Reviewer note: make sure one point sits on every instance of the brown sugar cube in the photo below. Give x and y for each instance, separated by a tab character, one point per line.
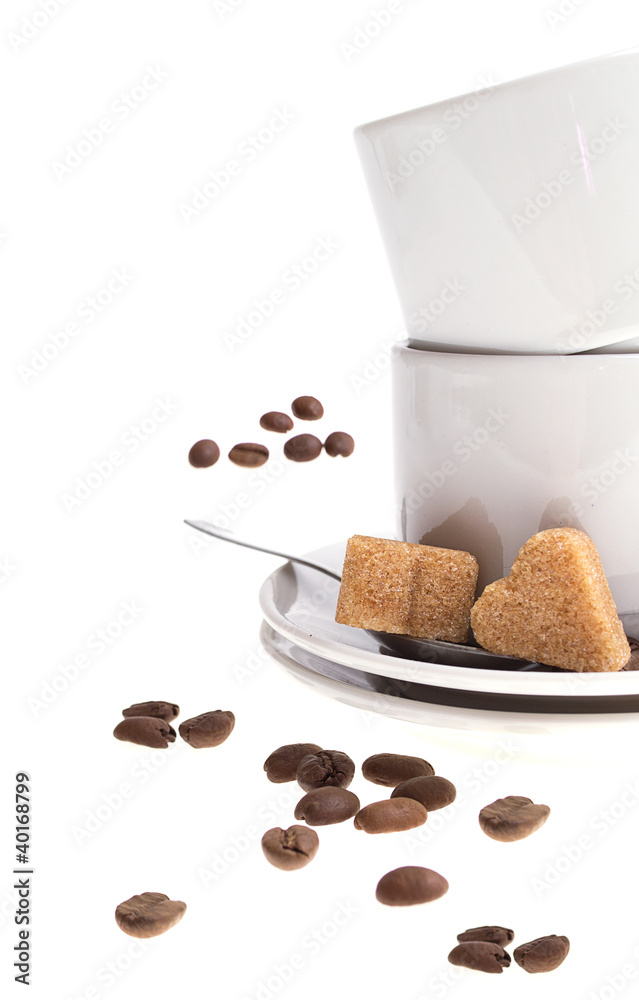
408	589
555	607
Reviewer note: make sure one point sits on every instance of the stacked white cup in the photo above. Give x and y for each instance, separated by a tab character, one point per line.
511	221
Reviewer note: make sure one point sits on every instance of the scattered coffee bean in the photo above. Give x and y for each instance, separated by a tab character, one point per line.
281	765
409	885
146	731
157	709
512	818
302	448
249	454
208	729
281	423
543	954
307	408
390	769
203	454
326	805
433	791
149	914
339	443
290	849
390	816
483	956
326	767
490	932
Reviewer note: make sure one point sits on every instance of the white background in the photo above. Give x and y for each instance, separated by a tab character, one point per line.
225	71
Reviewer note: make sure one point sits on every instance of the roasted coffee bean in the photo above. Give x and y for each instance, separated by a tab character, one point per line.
290	849
390	769
249	454
149	914
146	731
204	453
483	956
157	709
339	443
543	954
208	729
281	423
512	818
433	791
281	765
489	932
307	408
327	805
410	885
302	448
326	767
390	816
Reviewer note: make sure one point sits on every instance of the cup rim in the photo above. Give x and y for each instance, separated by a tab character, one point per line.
557	71
408	346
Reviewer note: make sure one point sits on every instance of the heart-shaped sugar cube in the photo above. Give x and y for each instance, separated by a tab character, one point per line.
555	607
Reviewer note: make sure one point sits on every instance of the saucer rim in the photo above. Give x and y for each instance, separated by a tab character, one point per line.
347	652
441	715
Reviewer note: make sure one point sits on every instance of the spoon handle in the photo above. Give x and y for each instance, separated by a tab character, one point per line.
227	536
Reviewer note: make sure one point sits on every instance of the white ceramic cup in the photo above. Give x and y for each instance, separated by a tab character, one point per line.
490	449
510	215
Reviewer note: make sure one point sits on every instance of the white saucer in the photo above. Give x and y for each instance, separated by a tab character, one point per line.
410	702
298	604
